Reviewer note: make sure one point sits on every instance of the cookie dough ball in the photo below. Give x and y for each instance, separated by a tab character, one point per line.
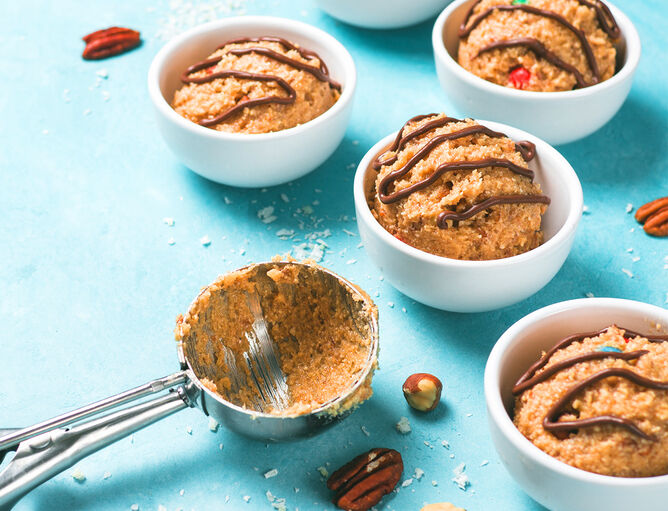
539	45
210	103
606	448
409	206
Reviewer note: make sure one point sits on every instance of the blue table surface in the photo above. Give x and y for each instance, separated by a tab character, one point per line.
90	287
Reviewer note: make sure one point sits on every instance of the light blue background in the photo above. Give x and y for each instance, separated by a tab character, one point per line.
90	288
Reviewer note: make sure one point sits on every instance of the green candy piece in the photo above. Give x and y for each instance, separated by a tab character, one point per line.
519	2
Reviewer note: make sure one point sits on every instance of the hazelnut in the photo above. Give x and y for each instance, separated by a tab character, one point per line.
422	391
441	506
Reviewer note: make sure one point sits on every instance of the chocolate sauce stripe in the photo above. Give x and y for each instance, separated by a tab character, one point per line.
307	54
605	18
603	14
267	52
541	51
493	201
425	150
584	43
289	99
524	147
551	422
400	141
542	361
321	73
569	362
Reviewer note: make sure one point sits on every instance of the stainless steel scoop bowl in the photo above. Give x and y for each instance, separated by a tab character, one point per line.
47	448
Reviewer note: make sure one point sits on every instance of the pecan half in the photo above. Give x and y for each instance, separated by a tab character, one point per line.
361	483
648	209
657	223
654	216
109	42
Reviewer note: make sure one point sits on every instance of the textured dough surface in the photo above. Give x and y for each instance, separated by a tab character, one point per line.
606	449
501	231
495	65
207	100
322	350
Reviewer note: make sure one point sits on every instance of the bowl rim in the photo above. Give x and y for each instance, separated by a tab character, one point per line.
629	35
574	191
348	79
498	415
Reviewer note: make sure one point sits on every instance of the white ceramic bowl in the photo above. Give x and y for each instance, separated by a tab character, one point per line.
474	286
554	484
239	159
382	13
557	117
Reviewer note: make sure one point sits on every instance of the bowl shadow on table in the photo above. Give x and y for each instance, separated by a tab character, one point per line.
637	149
413	41
578	275
333	178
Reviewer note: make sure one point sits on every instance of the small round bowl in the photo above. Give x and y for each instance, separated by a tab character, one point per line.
382	13
557	117
250	160
475	286
554	484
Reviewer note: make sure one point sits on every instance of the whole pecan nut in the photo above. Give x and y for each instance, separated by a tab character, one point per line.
654	216
361	483
109	42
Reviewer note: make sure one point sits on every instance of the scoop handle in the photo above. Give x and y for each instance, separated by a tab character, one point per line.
41	457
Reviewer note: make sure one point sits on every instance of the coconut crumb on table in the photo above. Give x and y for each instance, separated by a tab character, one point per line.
78	476
418	473
403	426
365	431
205	241
323	471
628	273
213	425
461	479
271	473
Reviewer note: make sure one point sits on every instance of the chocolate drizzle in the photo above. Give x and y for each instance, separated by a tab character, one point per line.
526	149
320	72
603	14
551	422
539	49
493	201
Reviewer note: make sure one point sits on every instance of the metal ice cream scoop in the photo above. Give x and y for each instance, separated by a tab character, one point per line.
48	448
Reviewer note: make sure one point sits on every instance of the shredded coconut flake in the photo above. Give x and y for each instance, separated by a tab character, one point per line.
365	431
271	473
461	479
403	426
627	273
78	476
205	241
213	425
323	471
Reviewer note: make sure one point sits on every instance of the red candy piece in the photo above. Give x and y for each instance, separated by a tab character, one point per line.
519	77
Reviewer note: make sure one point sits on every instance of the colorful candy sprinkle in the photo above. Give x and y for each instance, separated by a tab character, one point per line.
610	349
519	77
519	2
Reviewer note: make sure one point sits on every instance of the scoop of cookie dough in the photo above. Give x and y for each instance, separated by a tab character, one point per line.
410	205
605	448
321	332
539	45
304	93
